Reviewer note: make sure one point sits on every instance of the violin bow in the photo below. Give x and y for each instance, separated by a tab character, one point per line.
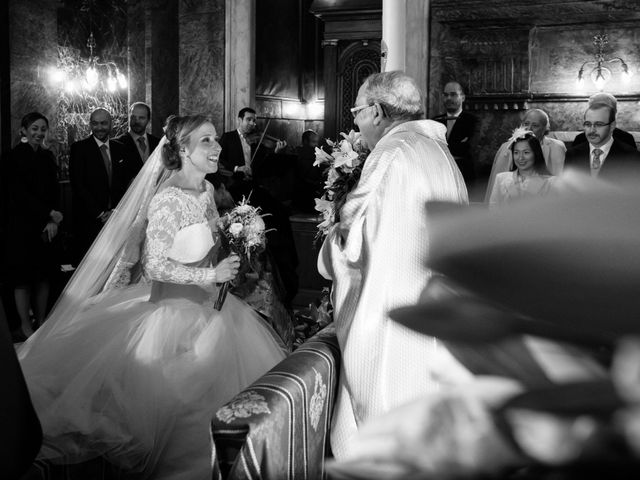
264	132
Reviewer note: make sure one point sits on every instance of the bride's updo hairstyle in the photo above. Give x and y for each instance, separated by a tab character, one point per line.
178	131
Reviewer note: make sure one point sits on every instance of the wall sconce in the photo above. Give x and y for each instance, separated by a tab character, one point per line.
600	74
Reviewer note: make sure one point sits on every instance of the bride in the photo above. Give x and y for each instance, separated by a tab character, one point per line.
134	361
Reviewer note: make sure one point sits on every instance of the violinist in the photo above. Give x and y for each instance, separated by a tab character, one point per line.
241	153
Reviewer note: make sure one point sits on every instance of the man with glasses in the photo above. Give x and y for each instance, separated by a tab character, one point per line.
376	256
618	134
602	155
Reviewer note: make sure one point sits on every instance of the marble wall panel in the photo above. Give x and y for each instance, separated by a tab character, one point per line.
136	18
33	49
202	44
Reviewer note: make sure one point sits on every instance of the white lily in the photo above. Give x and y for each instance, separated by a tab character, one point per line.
345	156
322	157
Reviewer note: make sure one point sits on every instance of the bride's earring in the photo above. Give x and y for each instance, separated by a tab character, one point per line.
184	155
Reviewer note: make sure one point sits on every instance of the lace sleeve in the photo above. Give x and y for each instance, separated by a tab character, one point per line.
165	216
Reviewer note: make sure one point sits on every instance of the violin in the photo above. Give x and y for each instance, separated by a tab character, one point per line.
261	138
258	138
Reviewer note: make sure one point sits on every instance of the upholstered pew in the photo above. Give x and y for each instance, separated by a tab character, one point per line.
277	428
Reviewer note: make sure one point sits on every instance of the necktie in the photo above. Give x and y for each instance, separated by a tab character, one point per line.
142	145
450	122
596	163
246	150
104	150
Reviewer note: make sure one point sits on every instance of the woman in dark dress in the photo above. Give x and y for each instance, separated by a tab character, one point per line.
32	219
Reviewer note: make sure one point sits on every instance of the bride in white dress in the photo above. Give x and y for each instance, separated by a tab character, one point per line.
133	367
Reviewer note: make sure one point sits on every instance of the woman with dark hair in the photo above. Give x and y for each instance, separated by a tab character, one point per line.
134	370
530	176
31	193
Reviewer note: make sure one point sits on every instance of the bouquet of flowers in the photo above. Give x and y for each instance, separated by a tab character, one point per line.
344	166
244	230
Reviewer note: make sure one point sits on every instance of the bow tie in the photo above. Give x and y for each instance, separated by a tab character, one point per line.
452	118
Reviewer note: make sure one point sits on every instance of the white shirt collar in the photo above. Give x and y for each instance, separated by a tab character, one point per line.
100	142
135	136
455	114
605	149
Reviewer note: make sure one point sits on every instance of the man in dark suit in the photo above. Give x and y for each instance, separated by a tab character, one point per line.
620	135
100	175
137	144
461	127
602	155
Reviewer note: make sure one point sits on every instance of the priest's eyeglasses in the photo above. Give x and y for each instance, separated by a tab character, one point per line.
356	110
596	125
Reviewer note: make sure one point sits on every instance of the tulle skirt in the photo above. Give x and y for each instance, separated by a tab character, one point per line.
138	382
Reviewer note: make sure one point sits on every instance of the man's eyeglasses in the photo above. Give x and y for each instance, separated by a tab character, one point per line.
356	110
588	125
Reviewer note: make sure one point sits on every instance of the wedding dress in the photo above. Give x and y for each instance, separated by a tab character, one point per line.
136	374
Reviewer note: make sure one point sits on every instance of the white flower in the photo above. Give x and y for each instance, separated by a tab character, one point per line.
323	205
322	157
244	209
332	176
352	137
235	229
257	225
345	156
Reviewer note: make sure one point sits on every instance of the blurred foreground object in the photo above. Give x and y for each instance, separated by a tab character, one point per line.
566	268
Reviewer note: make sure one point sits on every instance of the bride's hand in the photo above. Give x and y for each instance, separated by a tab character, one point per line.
227	269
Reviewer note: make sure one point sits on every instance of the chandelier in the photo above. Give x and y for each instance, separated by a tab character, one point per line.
79	74
600	74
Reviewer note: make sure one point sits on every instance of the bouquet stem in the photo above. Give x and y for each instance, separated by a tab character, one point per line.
222	295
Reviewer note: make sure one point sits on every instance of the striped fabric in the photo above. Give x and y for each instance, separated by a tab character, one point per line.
277	428
376	256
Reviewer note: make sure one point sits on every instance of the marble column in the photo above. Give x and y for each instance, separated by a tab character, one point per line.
136	27
202	58
162	62
417	42
405	32
394	33
239	62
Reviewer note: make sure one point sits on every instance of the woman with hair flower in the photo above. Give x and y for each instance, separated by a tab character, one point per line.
530	178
